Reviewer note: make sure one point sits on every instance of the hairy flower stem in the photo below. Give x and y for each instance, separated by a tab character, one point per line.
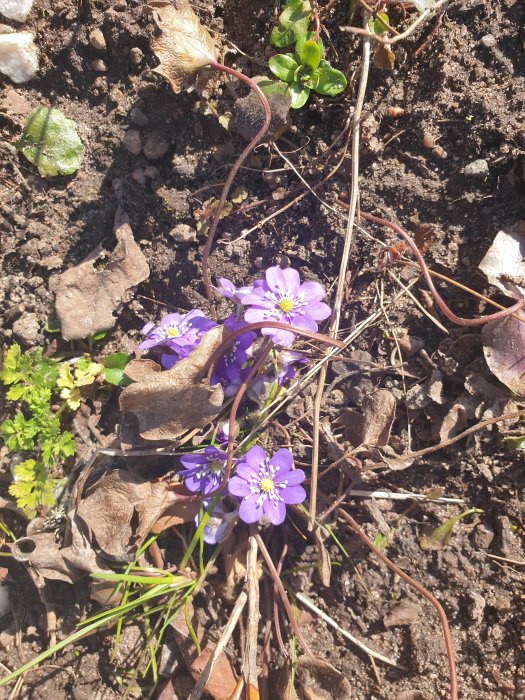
235	168
446	311
223	347
421	590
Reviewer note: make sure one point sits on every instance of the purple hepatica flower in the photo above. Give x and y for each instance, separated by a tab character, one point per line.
266	485
261	390
204	471
219	522
230	370
230	291
179	332
283	298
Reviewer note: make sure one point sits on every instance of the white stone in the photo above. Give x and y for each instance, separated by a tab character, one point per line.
18	56
16	9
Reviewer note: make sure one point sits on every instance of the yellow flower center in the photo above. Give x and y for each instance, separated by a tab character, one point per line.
286	304
266	485
173	332
215	465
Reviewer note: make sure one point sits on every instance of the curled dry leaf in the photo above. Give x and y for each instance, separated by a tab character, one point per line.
404	613
87	298
168	404
372	426
183	46
315	679
504	340
221	683
113	518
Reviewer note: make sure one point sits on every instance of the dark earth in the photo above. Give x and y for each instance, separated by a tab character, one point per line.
443	144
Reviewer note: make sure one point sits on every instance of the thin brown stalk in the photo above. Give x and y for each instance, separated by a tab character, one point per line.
421	590
284	597
235	167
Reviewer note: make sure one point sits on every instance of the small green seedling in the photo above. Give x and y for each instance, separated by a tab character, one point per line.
440	537
292	24
305	70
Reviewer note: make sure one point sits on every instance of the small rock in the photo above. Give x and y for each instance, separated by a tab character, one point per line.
136	55
182	233
120	5
18	10
404	613
99	66
502	603
156	146
151	172
15	103
477	169
483	536
26	329
183	166
139	176
132	142
476	607
18	56
138	117
489	41
97	40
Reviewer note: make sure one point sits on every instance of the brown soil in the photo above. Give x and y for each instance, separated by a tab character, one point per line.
461	99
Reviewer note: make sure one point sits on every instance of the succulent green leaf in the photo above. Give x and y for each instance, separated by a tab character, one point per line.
309	36
283	66
299	95
331	81
51	142
293	23
273	87
114	366
310	54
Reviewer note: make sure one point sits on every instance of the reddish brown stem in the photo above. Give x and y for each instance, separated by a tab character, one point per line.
282	593
235	168
480	320
219	352
421	590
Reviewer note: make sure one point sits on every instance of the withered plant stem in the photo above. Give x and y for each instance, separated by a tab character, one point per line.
283	596
235	167
446	311
421	590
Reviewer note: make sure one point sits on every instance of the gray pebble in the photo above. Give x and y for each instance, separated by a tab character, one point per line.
26	329
489	41
136	55
138	117
182	233
477	169
156	146
99	66
132	142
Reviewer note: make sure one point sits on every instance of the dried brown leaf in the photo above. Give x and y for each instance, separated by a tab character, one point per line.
404	613
372	426
87	298
222	681
183	45
315	679
504	262
504	350
171	403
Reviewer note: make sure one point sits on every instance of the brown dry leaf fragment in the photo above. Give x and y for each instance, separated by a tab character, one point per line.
324	564
120	510
222	681
171	403
372	426
504	262
504	350
384	58
87	298
404	613
315	679
183	46
138	369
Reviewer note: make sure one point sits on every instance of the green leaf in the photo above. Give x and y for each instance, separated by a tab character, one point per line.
310	54
52	325
309	36
283	65
33	486
376	26
331	81
51	142
293	23
99	336
440	537
114	366
299	95
273	87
